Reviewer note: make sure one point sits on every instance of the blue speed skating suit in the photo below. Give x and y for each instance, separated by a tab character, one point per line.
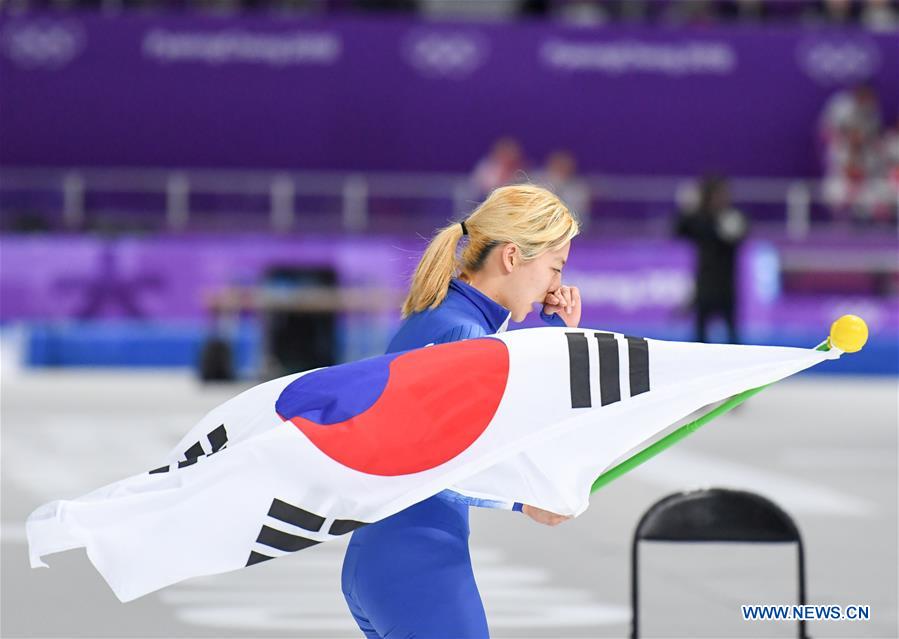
410	575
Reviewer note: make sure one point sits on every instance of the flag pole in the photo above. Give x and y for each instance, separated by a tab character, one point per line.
848	334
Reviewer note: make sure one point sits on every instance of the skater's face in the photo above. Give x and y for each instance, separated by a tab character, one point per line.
527	282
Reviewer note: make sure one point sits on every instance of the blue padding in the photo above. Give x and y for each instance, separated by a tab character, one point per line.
134	344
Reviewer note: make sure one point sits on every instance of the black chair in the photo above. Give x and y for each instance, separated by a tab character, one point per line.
714	515
298	340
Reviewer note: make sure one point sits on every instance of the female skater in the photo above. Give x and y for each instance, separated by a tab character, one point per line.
410	575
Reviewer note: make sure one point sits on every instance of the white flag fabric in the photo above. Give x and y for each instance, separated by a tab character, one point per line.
532	416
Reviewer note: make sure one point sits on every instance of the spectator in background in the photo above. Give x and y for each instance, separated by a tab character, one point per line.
581	12
852	176
857	108
744	11
880	15
716	229
886	188
890	149
504	165
560	176
386	5
854	168
634	11
831	12
695	12
839	11
469	9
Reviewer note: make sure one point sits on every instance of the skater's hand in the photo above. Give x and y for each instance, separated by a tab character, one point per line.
566	301
543	516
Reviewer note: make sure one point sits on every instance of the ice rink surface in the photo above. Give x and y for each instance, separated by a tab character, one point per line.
824	448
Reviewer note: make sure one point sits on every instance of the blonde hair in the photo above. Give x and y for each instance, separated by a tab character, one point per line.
529	216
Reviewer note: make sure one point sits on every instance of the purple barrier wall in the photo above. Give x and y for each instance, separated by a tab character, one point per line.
166	278
394	94
643	285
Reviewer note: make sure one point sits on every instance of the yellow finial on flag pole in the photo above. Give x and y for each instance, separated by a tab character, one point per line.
849	333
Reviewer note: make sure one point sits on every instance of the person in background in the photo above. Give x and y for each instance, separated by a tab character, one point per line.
716	229
582	12
744	11
469	9
693	13
849	131
852	178
880	15
853	109
504	165
830	13
886	188
560	176
890	150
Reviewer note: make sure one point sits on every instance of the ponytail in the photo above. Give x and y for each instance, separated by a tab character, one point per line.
430	282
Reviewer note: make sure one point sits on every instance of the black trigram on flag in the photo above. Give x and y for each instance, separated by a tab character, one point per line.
217	438
609	368
275	538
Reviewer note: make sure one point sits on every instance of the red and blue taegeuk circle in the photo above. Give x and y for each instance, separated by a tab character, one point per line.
400	413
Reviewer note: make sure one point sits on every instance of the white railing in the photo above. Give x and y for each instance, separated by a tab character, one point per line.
355	191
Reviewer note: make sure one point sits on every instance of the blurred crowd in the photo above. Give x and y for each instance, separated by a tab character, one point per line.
860	157
872	14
